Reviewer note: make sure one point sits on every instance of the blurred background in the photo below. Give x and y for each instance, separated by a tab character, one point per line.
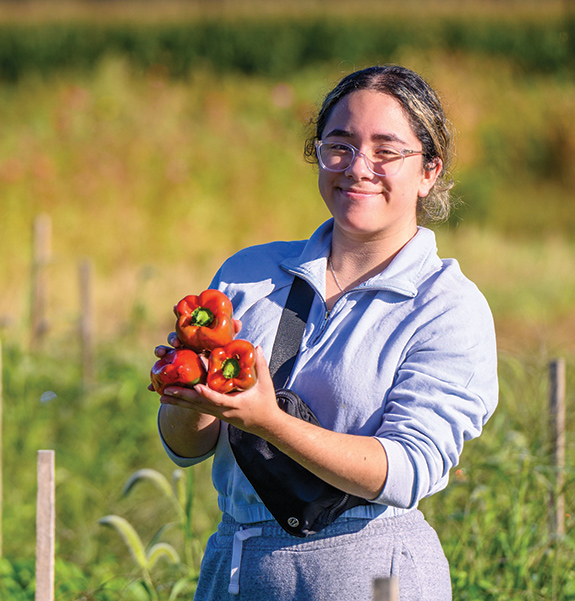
143	142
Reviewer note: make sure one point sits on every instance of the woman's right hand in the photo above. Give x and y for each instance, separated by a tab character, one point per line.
187	431
173	342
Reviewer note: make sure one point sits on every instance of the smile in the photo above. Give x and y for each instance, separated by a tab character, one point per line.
353	193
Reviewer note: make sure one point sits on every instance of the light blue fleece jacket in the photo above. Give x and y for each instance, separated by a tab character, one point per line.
408	357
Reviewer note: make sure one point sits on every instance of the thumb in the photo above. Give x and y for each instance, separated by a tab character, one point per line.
262	369
237	325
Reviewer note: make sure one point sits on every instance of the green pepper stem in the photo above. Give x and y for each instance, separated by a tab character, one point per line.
230	368
201	317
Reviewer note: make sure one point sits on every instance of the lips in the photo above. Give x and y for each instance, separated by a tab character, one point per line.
359	192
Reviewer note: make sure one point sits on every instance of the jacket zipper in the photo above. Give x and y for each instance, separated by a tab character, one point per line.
327	315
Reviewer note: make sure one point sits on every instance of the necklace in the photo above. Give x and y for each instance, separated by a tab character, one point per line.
333	274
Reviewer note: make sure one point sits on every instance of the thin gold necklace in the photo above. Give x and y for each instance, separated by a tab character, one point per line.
333	274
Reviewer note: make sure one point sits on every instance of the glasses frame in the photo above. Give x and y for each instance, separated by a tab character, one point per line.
404	152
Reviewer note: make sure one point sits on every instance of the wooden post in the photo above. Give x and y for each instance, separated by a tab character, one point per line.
385	589
86	322
45	527
41	257
1	474
557	430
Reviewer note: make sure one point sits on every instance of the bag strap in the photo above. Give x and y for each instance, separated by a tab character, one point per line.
290	331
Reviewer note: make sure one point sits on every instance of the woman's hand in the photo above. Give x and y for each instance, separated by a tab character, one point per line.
188	431
254	410
352	463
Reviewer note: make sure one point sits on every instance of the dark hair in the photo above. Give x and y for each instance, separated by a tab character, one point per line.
425	115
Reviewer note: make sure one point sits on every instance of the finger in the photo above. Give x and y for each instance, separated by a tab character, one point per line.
182	397
174	340
179	392
161	350
237	326
201	399
262	369
213	396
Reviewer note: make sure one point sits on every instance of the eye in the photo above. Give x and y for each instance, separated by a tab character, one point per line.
386	153
339	147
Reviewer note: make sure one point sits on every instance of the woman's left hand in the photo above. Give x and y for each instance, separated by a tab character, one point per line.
254	410
355	464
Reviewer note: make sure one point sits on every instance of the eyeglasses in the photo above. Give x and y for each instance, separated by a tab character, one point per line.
384	161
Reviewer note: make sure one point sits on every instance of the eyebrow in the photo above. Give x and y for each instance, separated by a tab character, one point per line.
344	133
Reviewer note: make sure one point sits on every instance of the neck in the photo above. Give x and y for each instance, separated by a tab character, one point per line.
351	264
356	260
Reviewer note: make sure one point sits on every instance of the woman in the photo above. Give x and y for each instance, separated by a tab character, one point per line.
397	361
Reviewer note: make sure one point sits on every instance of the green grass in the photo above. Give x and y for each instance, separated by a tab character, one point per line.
100	436
492	518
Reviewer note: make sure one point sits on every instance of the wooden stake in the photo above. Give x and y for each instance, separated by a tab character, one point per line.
86	322
1	475
41	257
45	527
385	589
557	430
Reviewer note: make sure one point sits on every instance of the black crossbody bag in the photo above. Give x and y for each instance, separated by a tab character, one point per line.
300	502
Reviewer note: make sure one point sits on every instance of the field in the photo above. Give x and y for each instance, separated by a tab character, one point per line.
156	177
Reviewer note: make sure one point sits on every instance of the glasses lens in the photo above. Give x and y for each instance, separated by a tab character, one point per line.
385	161
335	157
380	160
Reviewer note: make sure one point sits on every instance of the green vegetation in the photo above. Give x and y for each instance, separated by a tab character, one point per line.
103	438
280	47
492	518
160	153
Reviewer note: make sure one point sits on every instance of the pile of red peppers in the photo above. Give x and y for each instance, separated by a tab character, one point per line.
205	329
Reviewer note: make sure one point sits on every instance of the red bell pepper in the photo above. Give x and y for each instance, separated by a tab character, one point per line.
232	367
178	367
205	321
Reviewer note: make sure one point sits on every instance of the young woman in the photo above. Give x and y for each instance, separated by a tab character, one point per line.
397	361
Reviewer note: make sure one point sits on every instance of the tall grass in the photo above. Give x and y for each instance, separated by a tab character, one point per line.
100	437
492	518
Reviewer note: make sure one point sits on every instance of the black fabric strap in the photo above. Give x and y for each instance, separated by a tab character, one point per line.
301	502
290	331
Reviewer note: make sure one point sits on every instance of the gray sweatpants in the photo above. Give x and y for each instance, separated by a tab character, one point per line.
258	562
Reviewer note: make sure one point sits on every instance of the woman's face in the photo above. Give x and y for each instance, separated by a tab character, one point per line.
367	206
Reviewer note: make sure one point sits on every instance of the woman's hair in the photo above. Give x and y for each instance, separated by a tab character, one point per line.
425	115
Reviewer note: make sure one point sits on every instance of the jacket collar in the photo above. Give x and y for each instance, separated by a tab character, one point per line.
402	276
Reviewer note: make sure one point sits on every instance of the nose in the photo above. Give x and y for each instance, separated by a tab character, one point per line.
359	169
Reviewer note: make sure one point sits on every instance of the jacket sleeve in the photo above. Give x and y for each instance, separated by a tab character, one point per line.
444	391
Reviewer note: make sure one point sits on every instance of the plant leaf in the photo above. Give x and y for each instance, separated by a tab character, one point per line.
156	538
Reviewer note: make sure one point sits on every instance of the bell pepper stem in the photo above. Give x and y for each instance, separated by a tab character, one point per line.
230	368
201	317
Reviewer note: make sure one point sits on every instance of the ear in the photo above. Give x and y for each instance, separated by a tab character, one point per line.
429	176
